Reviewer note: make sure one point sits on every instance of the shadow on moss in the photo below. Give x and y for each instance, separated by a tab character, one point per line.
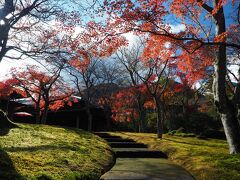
5	124
8	170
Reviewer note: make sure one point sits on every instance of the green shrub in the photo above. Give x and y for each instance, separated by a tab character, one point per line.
179	132
196	122
151	122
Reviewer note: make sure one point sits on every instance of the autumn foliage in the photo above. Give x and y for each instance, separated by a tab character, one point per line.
45	91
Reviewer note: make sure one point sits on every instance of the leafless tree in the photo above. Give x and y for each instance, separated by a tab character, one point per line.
17	17
129	57
110	79
83	81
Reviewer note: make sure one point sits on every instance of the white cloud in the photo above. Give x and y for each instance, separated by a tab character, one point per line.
10	15
78	30
7	64
132	39
177	28
233	67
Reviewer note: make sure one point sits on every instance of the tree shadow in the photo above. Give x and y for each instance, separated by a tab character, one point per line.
7	169
5	124
4	131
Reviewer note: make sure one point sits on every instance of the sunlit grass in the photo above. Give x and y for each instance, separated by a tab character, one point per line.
46	152
205	159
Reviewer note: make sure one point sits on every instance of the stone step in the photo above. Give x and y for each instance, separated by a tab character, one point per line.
127	145
141	153
132	149
106	135
118	140
101	133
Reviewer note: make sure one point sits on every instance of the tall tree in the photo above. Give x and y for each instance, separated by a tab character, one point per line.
156	80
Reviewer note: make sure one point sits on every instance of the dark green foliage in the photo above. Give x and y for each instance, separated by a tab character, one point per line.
198	123
124	126
151	119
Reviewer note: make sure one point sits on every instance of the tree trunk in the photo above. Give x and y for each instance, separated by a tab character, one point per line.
38	116
44	115
232	131
226	108
77	122
89	114
159	118
237	97
141	112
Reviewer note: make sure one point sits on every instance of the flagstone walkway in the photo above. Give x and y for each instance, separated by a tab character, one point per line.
136	162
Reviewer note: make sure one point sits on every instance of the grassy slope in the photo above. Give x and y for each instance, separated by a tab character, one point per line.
45	152
205	159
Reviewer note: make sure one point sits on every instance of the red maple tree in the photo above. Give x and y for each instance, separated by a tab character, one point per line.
46	91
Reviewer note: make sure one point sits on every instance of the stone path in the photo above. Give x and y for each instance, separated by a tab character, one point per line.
136	162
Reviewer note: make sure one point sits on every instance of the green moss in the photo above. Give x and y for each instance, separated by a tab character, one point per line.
205	159
46	152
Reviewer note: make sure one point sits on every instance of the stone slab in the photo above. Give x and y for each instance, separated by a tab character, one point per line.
147	169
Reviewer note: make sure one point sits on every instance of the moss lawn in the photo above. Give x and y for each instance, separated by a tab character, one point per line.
47	152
